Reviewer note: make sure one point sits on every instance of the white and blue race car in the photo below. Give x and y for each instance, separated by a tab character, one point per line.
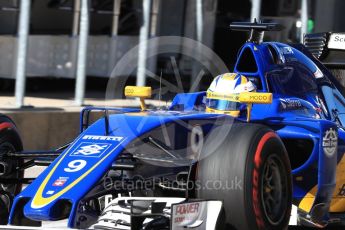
185	167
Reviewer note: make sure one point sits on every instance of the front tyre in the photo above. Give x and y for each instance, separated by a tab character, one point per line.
10	142
254	171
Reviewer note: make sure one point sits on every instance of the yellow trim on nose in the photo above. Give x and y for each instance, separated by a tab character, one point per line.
39	201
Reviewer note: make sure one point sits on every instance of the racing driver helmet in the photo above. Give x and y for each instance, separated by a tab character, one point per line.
227	86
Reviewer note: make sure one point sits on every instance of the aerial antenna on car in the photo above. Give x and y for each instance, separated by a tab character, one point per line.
256	29
160	90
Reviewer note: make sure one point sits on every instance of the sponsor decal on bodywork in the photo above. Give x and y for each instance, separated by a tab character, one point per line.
102	138
290	104
60	182
337	41
200	215
186	212
342	191
330	142
88	149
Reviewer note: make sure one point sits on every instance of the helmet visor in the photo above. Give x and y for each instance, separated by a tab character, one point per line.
223	105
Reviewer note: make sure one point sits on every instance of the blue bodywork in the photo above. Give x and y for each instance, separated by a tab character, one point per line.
306	107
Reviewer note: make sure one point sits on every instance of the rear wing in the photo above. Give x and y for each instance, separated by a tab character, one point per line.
328	47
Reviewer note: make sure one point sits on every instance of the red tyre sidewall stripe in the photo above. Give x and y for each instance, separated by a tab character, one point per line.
6	125
256	174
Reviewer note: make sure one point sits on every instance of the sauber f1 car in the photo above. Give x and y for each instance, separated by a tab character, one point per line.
191	166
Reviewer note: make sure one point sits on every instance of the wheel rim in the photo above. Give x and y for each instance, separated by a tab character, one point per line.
274	190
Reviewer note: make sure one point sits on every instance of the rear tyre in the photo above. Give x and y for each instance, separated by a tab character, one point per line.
250	172
9	142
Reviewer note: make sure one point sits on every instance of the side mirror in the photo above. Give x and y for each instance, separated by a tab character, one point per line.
251	98
141	92
255	98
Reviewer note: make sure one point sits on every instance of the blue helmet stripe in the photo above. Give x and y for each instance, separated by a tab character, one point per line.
217	79
238	80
